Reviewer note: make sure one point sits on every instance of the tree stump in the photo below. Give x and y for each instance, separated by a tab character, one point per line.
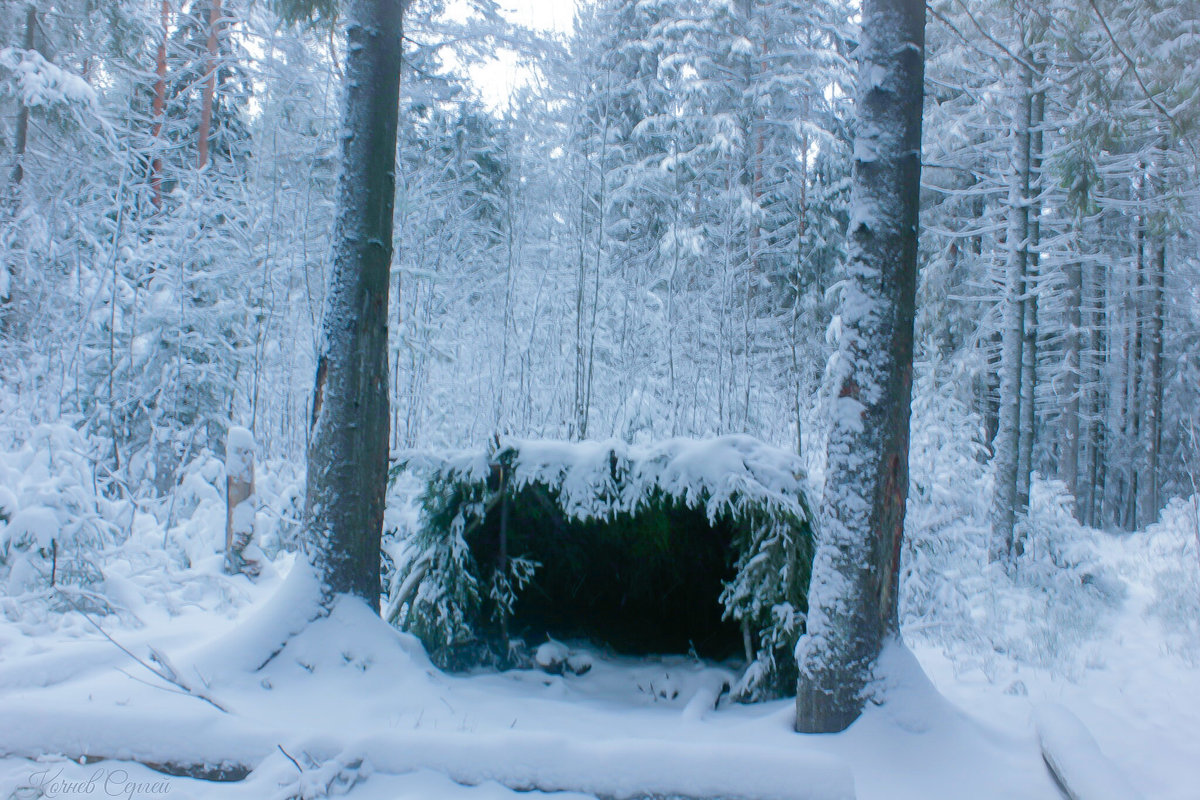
239	502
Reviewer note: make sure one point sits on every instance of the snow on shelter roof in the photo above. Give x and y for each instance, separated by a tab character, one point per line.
597	479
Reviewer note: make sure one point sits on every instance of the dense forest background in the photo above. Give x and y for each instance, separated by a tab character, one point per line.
646	240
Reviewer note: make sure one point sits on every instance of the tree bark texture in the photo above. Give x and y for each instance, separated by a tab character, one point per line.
210	84
1068	462
1152	429
853	597
1004	496
22	135
348	451
160	100
1134	389
1029	345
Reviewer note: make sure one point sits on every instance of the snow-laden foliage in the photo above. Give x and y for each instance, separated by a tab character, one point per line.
1175	540
51	519
437	587
38	82
725	475
67	547
1037	610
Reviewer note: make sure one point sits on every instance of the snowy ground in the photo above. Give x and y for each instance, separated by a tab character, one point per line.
350	706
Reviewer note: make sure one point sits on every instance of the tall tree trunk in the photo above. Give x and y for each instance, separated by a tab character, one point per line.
1091	386
1028	427
210	84
1068	462
586	355
990	389
1152	429
22	136
853	597
1105	397
1029	345
1133	386
799	289
1004	496
160	99
1095	471
348	454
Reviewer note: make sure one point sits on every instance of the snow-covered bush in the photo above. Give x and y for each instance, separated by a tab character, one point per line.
1035	610
52	520
1174	548
66	546
38	83
636	498
946	527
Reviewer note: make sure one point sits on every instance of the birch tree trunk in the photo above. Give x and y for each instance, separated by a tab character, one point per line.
348	451
852	600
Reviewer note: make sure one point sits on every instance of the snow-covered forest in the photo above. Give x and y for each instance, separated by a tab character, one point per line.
629	296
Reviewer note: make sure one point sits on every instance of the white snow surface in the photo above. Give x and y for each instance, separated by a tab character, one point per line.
362	711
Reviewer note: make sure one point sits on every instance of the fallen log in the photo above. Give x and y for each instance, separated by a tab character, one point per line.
1074	759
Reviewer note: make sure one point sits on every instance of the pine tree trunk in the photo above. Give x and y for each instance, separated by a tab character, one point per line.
210	85
1096	438
1108	399
1152	429
853	597
1005	493
990	391
160	99
1068	462
1133	386
1025	441
348	453
22	136
1029	345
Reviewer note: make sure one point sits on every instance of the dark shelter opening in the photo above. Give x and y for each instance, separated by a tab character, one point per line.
644	583
684	546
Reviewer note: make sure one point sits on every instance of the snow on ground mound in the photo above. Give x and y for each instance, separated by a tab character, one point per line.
348	697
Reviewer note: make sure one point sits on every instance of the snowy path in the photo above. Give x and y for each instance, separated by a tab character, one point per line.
1139	696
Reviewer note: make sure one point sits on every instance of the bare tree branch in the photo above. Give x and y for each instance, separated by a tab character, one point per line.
1133	68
